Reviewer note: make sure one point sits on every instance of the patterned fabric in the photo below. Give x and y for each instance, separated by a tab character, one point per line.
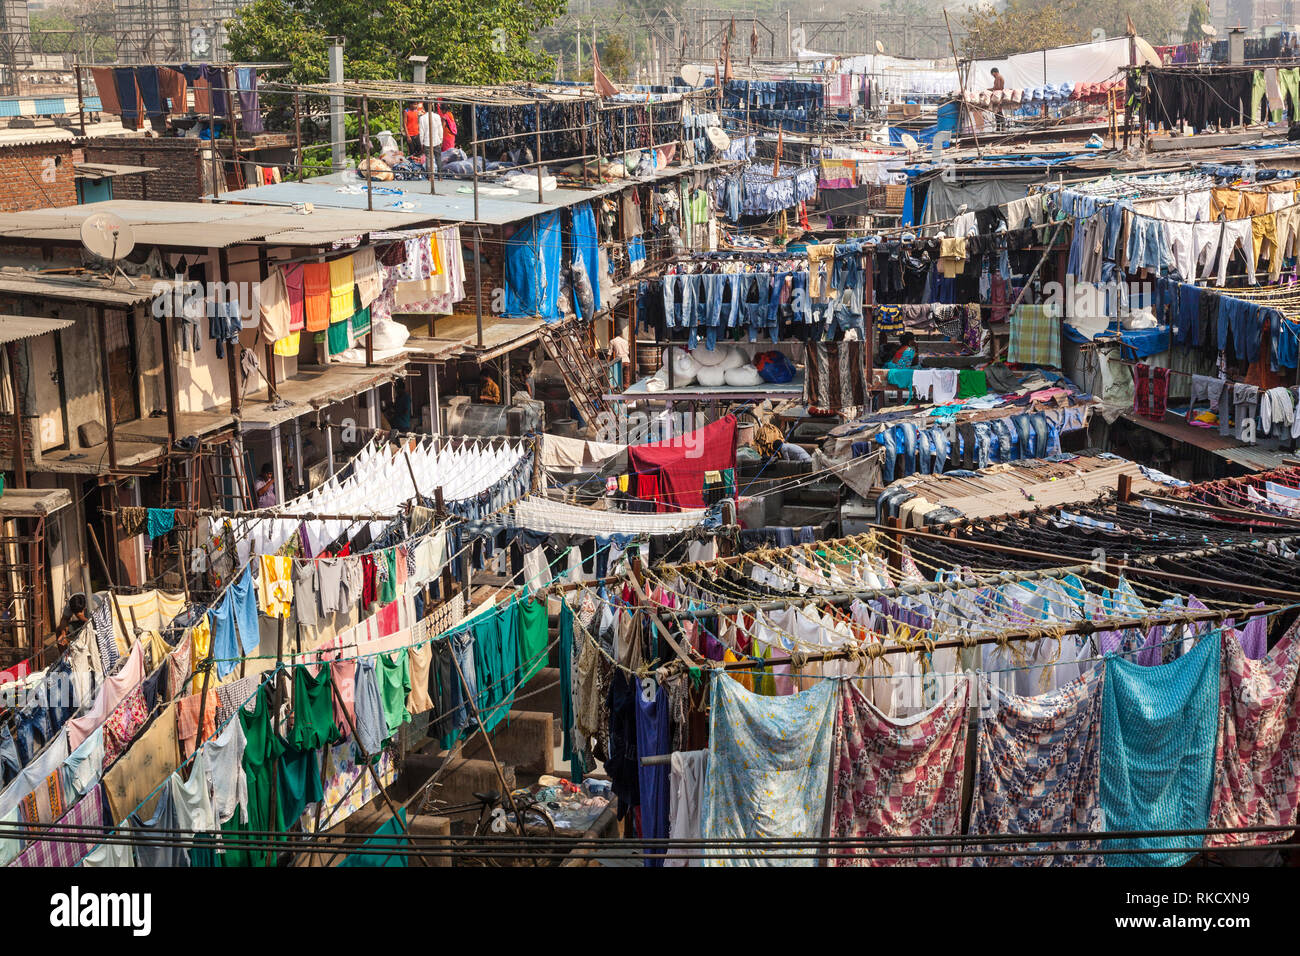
1036	335
897	778
123	723
101	620
88	812
47	801
1036	767
1257	759
1157	751
768	762
834	375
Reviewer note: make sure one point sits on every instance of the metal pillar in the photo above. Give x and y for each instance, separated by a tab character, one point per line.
338	151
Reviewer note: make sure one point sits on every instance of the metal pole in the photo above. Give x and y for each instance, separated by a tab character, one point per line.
538	157
81	101
338	154
365	145
297	132
478	282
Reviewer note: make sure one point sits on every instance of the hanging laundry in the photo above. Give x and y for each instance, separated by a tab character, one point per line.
897	778
1157	751
1257	759
768	765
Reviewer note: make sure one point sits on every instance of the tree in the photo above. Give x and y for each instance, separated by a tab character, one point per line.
481	42
1020	26
1199	14
616	58
1025	25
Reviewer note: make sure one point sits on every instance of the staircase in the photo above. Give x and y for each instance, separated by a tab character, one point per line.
585	379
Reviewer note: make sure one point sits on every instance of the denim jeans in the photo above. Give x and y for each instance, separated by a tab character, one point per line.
939	442
1021	423
907	440
754	298
799	301
886	440
983	434
924	452
1010	440
1038	421
668	286
463	647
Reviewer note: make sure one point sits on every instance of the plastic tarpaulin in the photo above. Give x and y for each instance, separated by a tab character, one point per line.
1090	62
1158	731
769	760
944	198
532	269
680	462
583	243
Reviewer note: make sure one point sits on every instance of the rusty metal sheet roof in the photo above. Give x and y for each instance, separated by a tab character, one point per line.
15	328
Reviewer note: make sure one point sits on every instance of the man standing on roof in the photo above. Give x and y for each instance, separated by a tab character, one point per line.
431	136
411	126
999	84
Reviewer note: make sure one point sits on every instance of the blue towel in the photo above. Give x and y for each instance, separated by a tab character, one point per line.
236	610
1158	729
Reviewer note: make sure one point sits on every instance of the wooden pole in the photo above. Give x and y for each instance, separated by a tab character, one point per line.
365	145
20	455
109	416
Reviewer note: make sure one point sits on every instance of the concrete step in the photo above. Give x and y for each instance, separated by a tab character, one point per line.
534	698
419	824
458	783
522	740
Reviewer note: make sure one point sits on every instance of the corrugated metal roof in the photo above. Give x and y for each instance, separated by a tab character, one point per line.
83	289
203	225
14	328
33	502
110	170
446	204
1254	457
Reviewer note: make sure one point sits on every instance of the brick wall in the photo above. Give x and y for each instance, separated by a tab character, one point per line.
8	444
180	175
36	176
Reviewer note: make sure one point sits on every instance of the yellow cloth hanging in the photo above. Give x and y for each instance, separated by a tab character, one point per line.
287	345
341	301
744	680
275	585
200	647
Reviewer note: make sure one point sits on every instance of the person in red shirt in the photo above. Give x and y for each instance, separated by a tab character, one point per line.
411	126
448	128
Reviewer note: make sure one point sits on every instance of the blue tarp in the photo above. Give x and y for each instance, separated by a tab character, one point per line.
582	241
1141	342
532	269
1158	731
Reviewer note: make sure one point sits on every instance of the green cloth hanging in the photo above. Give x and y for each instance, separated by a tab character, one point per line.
313	710
394	688
388	837
533	632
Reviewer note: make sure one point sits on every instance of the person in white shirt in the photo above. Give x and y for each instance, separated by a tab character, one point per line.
619	354
431	135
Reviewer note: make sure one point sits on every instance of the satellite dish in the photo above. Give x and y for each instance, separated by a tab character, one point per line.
880	47
109	237
1208	29
693	75
909	142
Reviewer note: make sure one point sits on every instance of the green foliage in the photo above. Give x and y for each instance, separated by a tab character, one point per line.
1025	25
481	42
1200	13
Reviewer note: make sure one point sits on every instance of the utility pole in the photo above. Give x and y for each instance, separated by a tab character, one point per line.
338	150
